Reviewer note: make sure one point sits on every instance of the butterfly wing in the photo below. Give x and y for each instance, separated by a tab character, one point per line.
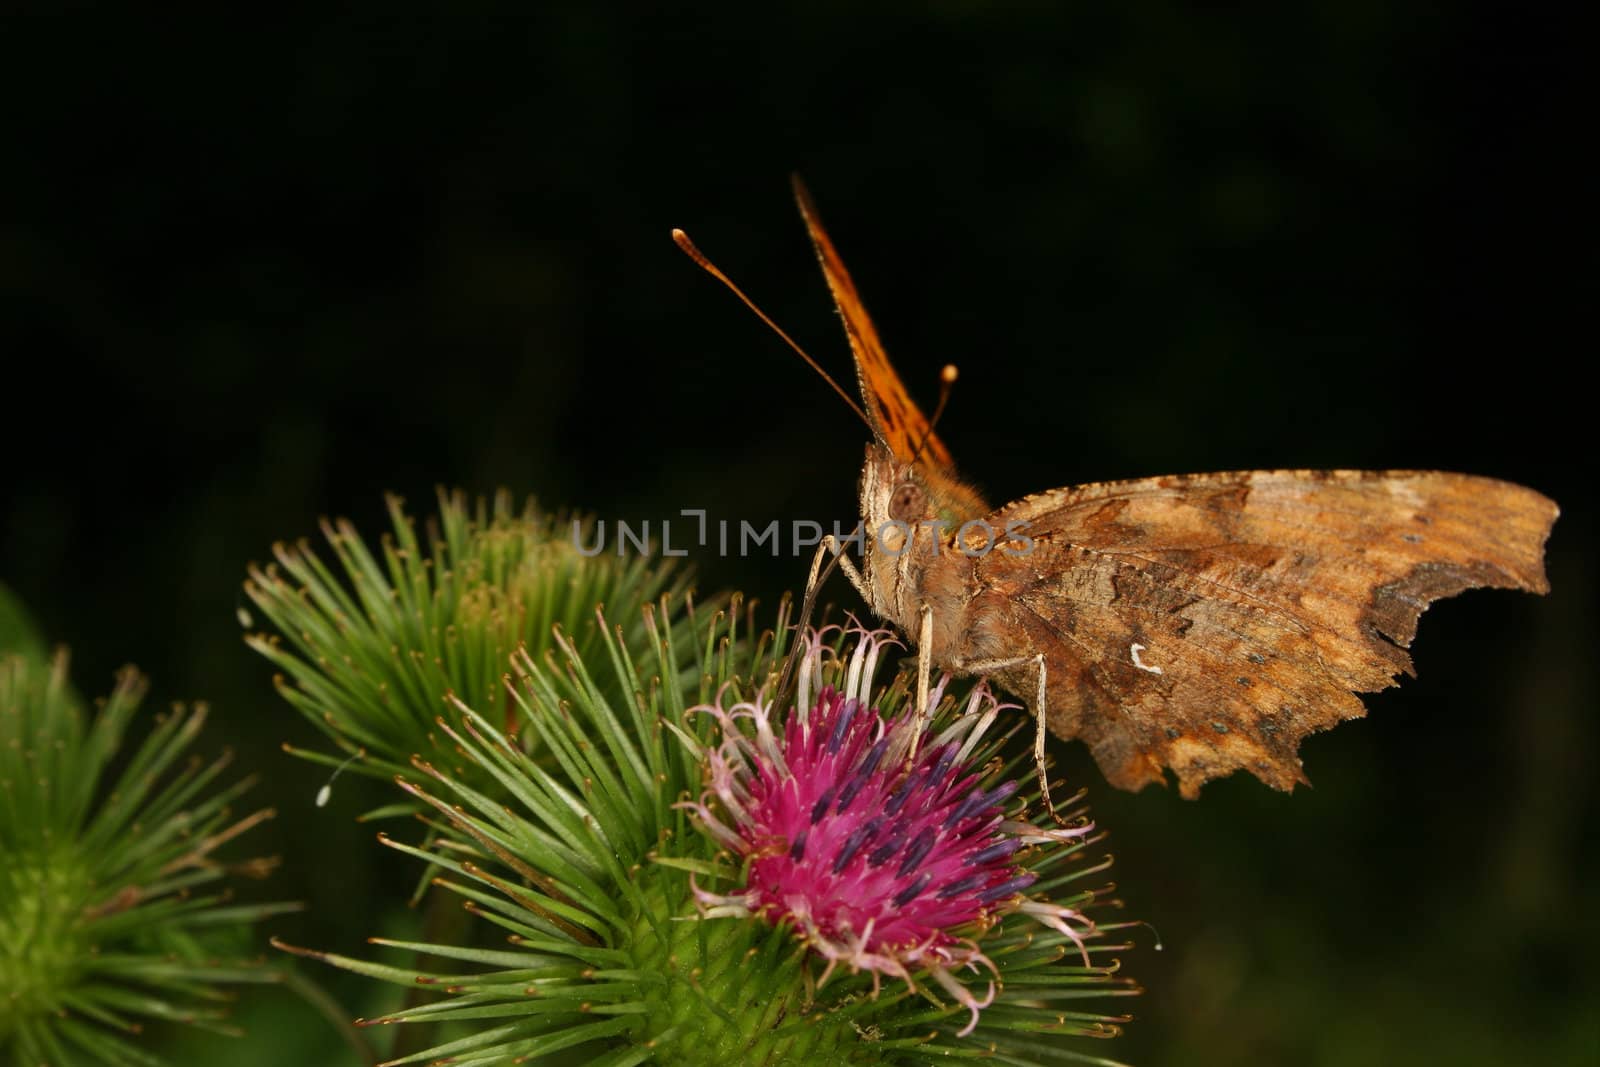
896	420
1206	623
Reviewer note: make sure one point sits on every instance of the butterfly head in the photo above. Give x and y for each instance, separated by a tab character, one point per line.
909	499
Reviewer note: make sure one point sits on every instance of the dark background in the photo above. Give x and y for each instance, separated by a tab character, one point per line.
249	277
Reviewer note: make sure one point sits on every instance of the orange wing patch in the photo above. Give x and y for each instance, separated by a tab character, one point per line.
896	420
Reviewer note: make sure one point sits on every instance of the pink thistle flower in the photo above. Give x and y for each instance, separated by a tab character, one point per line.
874	837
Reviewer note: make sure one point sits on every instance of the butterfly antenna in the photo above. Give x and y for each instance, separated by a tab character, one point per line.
711	268
947	378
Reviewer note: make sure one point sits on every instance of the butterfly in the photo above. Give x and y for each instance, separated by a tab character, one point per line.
1198	624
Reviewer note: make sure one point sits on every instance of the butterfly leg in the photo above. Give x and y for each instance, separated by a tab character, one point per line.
989	667
808	602
818	575
831	544
924	676
1038	746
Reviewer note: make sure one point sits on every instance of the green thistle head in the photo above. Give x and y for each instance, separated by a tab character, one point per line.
371	648
622	856
112	904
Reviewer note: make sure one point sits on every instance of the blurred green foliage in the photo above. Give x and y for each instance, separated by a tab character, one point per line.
18	633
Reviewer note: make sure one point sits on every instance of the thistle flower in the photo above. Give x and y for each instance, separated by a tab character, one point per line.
885	856
111	912
370	654
648	926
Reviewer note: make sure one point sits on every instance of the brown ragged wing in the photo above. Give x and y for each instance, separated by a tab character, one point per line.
1209	622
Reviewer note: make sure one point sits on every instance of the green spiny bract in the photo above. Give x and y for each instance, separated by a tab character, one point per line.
372	649
112	907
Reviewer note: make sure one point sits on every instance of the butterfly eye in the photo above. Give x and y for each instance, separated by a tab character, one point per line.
909	503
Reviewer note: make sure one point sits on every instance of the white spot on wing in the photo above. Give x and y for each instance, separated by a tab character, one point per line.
1141	664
